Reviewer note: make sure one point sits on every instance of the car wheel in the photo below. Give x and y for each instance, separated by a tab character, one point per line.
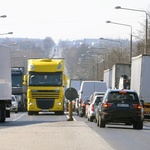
80	114
138	125
101	122
97	121
90	119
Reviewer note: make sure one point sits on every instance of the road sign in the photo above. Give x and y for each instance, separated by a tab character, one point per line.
71	94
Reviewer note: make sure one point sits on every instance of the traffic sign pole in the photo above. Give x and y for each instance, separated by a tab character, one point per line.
70	94
70	111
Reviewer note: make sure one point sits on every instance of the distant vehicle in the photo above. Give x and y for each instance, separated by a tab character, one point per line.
82	106
120	106
117	70
14	104
140	80
95	94
5	82
124	82
92	106
18	89
107	77
87	88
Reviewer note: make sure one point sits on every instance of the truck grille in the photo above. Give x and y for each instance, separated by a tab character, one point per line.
45	103
45	94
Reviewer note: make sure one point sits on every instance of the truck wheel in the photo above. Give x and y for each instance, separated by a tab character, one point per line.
59	113
30	113
2	112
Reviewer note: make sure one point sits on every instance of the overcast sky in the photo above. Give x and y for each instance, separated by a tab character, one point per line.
71	19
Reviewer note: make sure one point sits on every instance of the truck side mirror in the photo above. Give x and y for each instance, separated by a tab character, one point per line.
65	78
25	80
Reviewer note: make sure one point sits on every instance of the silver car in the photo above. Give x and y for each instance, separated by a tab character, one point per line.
91	107
14	104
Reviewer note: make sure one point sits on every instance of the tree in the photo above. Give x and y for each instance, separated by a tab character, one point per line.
48	44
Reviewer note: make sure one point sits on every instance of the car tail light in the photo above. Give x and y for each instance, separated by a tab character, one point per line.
92	108
137	106
107	105
83	105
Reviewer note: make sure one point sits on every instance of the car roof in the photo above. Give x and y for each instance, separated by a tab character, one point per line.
117	90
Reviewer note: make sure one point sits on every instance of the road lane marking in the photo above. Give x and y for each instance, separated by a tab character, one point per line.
18	117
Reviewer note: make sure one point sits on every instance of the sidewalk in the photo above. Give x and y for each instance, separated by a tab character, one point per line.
65	135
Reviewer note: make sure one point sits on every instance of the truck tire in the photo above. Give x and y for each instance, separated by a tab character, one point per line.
2	112
59	113
30	113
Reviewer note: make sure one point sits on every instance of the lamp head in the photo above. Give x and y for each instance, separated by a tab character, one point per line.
118	7
3	16
108	21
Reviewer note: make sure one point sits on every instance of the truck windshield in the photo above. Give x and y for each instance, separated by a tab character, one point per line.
17	80
45	79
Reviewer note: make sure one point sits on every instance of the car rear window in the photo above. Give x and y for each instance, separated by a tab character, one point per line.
98	99
130	96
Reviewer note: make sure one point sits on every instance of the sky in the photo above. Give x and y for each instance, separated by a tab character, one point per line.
71	19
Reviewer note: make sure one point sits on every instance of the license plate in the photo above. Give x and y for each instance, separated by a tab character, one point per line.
45	110
122	105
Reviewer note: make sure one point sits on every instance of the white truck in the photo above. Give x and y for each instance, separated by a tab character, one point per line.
118	70
107	77
87	88
5	82
140	80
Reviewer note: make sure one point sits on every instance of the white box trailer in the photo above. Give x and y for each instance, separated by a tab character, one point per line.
118	70
5	82
87	88
107	77
140	79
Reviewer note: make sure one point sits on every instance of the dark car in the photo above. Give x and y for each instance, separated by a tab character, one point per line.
82	106
120	106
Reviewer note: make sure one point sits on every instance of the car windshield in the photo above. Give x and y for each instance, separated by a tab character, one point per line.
122	96
45	79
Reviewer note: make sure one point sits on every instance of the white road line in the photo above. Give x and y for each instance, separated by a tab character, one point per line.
18	117
68	116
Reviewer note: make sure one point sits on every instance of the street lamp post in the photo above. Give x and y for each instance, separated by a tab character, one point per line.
146	25
130	35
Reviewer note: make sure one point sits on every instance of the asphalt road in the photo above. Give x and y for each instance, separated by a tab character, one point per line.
119	137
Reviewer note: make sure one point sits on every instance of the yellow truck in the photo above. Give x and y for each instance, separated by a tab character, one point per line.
45	81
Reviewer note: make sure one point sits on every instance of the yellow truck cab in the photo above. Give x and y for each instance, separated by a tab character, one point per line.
45	81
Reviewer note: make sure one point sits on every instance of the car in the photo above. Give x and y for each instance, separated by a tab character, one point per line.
94	94
91	107
82	106
120	106
14	104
